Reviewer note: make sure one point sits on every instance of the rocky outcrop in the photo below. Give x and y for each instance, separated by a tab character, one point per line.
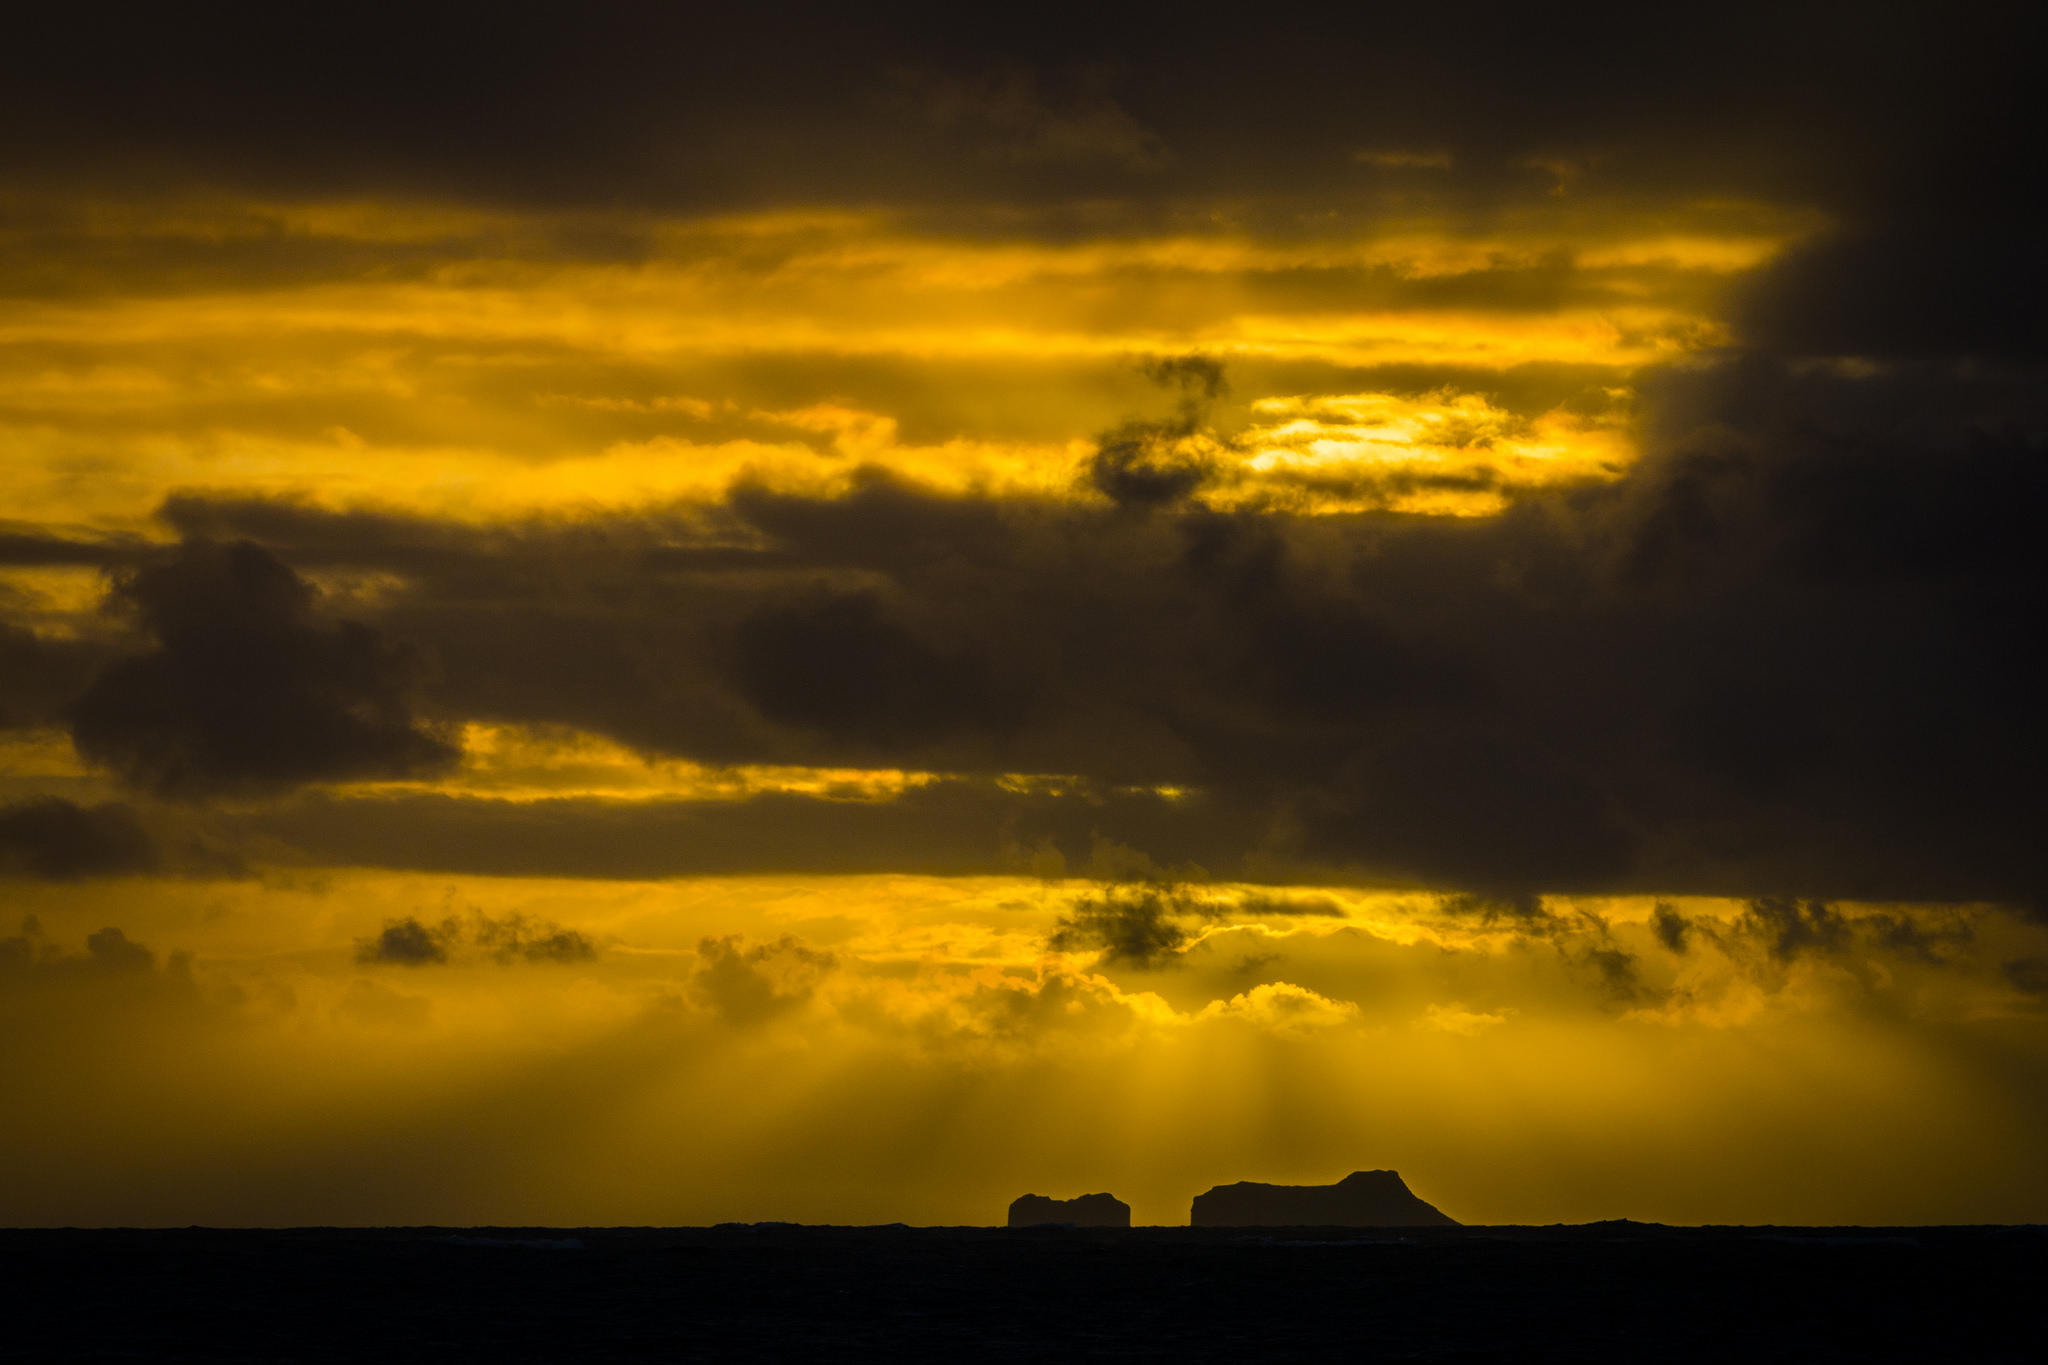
1088	1211
1363	1199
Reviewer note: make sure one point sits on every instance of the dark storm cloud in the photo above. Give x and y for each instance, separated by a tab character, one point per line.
40	676
838	665
649	103
1906	291
1787	654
1010	117
58	840
248	689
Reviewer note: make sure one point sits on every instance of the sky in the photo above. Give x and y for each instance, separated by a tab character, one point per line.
622	615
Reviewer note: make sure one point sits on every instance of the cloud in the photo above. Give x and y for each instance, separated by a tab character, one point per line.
747	985
59	840
1788	928
1455	1018
1616	969
1131	926
839	665
1527	910
1012	118
248	689
406	942
110	950
1932	944
1689	681
518	938
409	942
655	106
1283	1008
110	958
1783	653
1673	930
40	676
2027	974
1152	464
1148	464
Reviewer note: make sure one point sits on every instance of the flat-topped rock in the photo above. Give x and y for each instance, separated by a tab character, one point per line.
1086	1211
1363	1199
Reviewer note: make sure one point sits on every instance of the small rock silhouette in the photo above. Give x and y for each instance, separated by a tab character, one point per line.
1363	1199
1087	1211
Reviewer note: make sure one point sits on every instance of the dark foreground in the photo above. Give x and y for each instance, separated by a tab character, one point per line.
1602	1292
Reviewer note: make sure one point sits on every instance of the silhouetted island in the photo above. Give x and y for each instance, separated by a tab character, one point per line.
1087	1211
1363	1199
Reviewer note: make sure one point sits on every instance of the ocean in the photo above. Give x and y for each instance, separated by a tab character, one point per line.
1599	1292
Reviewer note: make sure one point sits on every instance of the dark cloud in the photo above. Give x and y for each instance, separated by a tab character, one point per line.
948	828
1787	654
1905	290
405	942
1673	930
1131	926
1616	970
110	950
1144	464
249	689
751	985
1787	928
1490	910
1009	117
25	545
39	676
2027	974
59	840
1263	907
409	942
1200	377
1149	464
29	957
838	664
640	103
517	938
1913	936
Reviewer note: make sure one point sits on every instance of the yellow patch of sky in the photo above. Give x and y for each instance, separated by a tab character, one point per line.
1334	453
111	399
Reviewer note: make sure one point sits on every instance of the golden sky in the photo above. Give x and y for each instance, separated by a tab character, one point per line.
936	615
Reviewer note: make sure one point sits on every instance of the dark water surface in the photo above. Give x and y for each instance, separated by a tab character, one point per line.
1601	1292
